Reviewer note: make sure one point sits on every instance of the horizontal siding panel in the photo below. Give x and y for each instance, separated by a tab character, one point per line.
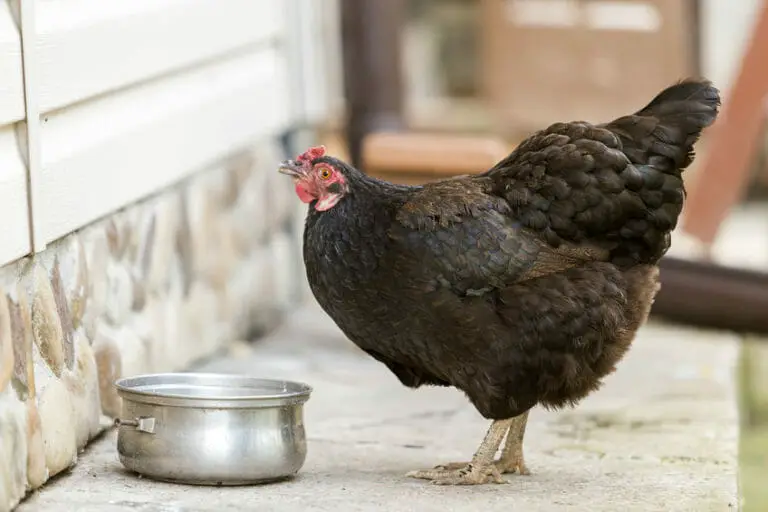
11	76
103	154
89	47
13	198
319	42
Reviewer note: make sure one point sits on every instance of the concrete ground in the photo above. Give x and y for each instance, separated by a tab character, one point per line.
661	435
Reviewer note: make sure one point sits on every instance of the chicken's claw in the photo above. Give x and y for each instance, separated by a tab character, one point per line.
481	470
468	474
504	466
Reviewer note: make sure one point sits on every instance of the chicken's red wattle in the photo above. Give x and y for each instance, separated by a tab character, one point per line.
304	195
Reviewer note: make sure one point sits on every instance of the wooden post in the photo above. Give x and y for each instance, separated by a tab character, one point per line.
372	68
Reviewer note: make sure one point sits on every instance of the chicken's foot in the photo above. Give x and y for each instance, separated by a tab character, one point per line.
481	470
511	460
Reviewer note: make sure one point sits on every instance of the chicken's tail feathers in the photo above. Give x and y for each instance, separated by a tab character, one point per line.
659	141
670	125
694	98
573	183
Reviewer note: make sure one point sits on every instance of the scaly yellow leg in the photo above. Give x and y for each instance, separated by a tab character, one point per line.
511	460
481	470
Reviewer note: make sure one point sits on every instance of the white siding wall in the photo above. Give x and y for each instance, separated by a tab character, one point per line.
135	95
14	227
88	47
114	149
316	45
129	96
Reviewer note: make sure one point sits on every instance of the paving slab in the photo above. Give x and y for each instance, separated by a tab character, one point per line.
661	435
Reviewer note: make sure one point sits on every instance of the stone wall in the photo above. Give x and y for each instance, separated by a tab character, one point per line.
152	288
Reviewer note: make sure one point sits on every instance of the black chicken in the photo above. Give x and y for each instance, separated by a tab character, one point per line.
520	286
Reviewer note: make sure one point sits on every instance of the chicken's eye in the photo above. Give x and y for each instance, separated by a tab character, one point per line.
325	173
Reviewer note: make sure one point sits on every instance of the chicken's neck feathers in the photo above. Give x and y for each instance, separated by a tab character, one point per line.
351	237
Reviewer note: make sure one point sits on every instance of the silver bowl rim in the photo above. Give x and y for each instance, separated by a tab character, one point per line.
292	390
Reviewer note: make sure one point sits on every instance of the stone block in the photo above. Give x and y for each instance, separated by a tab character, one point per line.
110	368
6	345
37	470
65	317
54	404
46	324
21	332
13	450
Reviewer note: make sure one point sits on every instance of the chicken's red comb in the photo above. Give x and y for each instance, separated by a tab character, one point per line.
311	154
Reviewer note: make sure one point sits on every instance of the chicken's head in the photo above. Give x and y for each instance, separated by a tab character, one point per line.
317	178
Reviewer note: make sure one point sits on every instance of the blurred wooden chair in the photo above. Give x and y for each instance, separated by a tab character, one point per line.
414	158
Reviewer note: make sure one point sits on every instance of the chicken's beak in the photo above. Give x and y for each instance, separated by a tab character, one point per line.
290	168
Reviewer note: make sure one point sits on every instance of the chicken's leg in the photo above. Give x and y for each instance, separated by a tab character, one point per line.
481	470
512	459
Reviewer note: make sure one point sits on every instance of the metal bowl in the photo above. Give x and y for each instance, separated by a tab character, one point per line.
211	429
